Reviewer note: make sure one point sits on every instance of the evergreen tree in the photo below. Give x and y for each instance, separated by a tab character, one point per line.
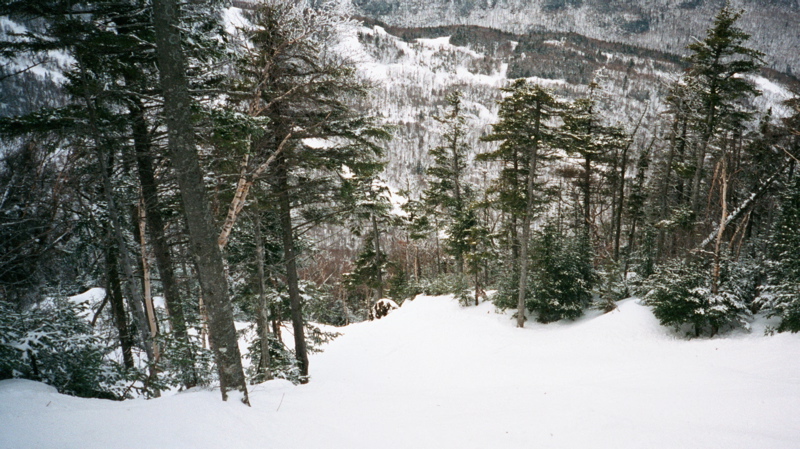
302	91
583	135
681	294
783	289
715	79
91	122
448	193
527	136
561	277
371	215
419	227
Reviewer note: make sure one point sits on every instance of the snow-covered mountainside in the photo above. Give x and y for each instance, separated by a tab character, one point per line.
435	375
656	24
413	69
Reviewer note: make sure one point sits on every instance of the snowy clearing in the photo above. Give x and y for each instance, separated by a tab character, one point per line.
435	375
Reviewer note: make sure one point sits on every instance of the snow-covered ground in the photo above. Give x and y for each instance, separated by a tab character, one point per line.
435	375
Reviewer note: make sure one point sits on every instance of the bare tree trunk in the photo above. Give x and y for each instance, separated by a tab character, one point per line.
202	235
243	186
155	225
152	324
621	194
129	286
106	167
156	229
147	282
746	204
723	222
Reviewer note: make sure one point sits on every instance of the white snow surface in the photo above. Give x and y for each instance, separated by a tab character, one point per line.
435	375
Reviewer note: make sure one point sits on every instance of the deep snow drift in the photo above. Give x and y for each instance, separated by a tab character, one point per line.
435	375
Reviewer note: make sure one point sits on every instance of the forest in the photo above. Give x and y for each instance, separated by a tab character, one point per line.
207	166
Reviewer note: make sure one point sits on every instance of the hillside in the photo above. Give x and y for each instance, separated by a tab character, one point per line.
434	374
412	69
655	24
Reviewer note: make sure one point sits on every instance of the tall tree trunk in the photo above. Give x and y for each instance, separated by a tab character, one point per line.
620	204
106	161
133	294
117	304
156	229
587	196
457	194
708	134
621	189
663	199
262	319
155	223
526	222
284	203
152	323
723	201
378	256
147	286
202	233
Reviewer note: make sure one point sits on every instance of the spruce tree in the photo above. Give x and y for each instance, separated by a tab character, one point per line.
527	135
715	78
448	194
783	290
584	136
302	93
371	216
562	275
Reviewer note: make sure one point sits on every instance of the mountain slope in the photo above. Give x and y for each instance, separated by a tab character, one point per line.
656	24
433	374
414	68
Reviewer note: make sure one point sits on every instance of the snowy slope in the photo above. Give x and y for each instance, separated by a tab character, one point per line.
435	375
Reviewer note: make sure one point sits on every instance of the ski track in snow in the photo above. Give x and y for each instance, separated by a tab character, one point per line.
435	375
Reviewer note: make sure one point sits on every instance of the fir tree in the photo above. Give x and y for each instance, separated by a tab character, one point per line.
681	294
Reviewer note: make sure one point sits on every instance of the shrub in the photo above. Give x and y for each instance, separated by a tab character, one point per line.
680	294
561	277
53	343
